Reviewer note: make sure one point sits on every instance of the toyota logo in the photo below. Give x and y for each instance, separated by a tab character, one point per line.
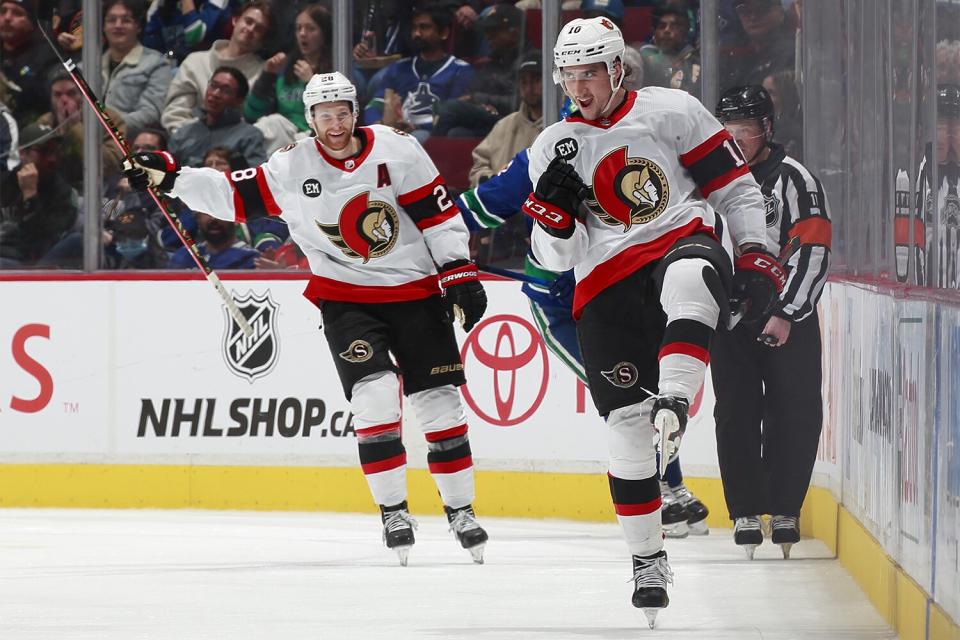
505	345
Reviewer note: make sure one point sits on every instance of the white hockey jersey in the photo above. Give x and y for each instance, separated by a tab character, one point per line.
651	164
372	227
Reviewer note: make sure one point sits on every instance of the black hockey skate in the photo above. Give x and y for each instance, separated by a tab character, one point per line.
785	531
398	528
469	533
748	533
697	512
669	417
651	574
673	515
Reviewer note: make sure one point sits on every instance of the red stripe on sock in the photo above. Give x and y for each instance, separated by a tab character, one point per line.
685	348
451	467
446	434
385	465
376	430
641	509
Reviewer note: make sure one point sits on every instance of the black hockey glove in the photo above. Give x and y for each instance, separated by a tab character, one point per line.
151	169
758	280
555	204
462	292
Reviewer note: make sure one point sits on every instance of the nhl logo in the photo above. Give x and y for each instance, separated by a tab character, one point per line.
252	357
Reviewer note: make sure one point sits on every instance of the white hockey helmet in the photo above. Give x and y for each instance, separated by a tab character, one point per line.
585	41
329	87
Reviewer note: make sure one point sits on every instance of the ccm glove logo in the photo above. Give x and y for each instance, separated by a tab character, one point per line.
765	264
553	220
550	217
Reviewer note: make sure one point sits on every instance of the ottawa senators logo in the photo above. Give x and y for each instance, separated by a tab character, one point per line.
366	228
358	351
628	191
623	375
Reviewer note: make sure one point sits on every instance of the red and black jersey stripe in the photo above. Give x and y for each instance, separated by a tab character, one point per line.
429	205
635	497
715	163
252	197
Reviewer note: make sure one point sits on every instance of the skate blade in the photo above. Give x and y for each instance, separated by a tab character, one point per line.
699	528
785	547
651	615
403	553
676	531
477	552
749	549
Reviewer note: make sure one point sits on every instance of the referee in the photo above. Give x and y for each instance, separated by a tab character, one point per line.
767	373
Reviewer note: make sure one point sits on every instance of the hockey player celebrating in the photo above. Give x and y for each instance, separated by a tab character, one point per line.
368	208
766	372
488	206
652	278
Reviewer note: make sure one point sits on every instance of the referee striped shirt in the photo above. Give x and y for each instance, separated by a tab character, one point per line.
798	230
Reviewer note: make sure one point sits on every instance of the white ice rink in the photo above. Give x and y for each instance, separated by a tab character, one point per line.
183	575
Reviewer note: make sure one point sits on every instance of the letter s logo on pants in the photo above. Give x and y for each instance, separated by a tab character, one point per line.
32	367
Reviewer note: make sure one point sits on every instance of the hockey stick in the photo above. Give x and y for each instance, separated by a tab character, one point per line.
171	217
512	275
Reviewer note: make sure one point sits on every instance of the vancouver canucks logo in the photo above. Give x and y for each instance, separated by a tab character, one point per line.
628	191
254	356
366	228
418	105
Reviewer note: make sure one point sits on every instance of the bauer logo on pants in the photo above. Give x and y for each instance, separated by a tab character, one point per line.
256	356
623	375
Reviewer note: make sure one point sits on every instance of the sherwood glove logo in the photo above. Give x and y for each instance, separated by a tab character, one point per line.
256	356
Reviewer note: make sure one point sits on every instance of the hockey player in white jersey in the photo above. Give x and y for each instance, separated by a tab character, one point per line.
374	219
621	196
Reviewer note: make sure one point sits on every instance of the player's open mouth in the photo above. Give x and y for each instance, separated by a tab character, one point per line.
584	102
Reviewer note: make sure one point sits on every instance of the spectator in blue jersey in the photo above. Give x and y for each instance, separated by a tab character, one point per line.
220	246
220	123
178	27
413	87
497	201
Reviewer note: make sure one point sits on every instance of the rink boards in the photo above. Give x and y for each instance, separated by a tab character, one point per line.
131	393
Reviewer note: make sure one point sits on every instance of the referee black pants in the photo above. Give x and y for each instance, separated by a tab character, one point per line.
769	413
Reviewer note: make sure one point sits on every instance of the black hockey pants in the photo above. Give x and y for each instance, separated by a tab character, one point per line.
766	469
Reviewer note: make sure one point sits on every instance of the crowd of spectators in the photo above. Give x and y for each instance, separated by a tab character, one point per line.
219	83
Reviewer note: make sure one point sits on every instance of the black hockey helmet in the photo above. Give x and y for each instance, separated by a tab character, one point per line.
749	102
744	103
948	100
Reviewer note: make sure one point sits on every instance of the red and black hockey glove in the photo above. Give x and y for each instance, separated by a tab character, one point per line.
463	295
555	204
151	169
758	280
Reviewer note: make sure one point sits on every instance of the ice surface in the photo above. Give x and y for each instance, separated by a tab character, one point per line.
182	575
